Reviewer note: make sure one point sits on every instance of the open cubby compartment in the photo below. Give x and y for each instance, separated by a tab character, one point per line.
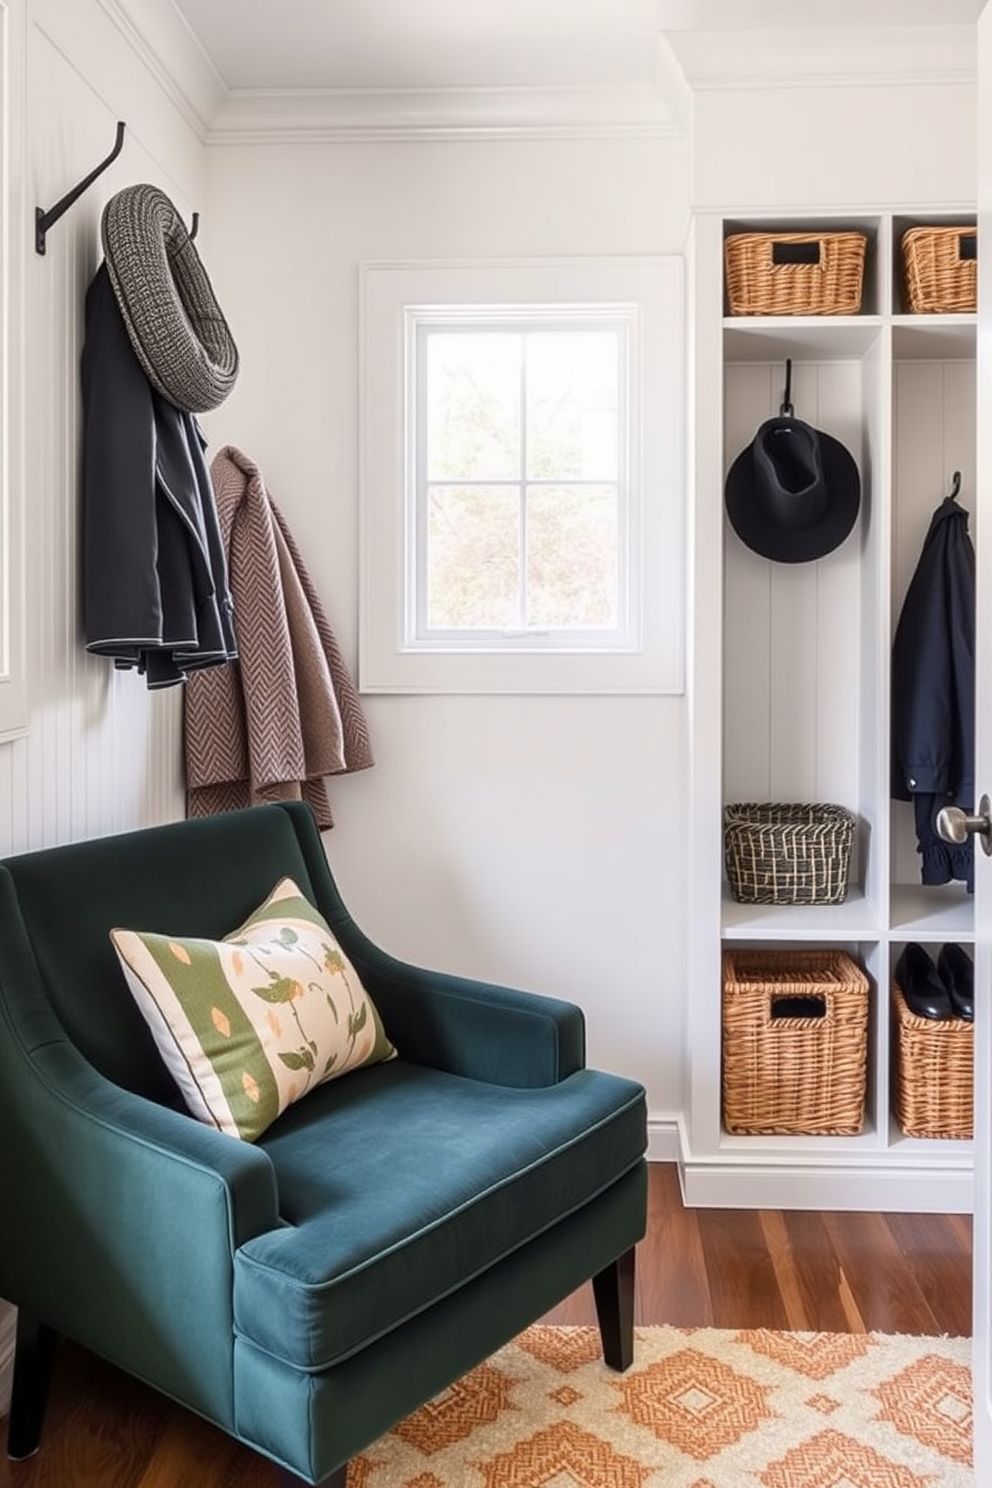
804	645
933	436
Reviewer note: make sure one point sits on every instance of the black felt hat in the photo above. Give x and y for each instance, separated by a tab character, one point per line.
793	494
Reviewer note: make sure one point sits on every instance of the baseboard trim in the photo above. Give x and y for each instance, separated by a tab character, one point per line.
663	1139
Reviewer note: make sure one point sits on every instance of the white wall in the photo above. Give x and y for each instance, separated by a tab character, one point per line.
537	841
883	145
100	754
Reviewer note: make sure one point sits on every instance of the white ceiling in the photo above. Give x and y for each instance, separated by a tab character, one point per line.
391	44
289	45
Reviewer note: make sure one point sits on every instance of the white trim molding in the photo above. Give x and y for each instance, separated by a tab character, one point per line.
258	116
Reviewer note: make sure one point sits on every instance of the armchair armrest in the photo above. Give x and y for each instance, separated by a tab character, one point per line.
473	1028
129	1215
147	1138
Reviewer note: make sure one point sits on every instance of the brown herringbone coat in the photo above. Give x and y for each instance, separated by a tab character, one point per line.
273	724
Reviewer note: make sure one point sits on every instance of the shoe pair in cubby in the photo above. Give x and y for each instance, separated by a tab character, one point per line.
940	989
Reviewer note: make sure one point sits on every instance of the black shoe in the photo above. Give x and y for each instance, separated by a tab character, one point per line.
957	972
922	987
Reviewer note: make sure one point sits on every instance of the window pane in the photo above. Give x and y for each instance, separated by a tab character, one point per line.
473	405
571	557
473	558
572	405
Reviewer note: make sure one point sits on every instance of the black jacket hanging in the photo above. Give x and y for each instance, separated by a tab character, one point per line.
933	692
154	574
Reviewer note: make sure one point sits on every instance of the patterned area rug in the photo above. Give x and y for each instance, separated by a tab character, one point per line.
700	1408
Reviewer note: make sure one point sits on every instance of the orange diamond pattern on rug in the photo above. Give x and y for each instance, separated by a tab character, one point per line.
825	1404
564	1395
816	1355
930	1401
832	1460
695	1403
564	1349
360	1470
563	1453
700	1408
477	1400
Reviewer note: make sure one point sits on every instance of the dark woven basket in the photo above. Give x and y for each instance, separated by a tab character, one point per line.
787	853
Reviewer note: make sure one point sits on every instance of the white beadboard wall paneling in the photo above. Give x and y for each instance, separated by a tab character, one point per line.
101	754
934	434
874	536
751	395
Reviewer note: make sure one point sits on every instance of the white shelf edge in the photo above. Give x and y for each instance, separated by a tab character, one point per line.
855	919
813	338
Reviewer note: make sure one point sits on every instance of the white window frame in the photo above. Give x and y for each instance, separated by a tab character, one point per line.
645	653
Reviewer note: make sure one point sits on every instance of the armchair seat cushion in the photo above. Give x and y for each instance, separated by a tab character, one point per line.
422	1180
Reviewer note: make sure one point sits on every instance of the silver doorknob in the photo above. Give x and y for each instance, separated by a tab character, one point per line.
955	825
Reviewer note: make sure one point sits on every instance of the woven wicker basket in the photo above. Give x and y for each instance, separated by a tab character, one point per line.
787	853
940	270
933	1073
794	273
795	1042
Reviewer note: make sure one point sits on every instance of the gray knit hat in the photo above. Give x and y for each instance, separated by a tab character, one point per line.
176	327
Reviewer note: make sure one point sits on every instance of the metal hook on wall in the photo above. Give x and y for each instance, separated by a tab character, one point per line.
955	485
45	220
787	410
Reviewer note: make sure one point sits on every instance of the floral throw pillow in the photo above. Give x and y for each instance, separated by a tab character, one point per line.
249	1024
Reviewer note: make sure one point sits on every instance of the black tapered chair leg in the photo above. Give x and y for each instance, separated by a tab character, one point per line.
613	1290
34	1356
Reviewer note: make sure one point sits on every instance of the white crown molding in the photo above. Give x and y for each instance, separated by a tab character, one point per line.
827	56
259	116
712	57
728	15
160	37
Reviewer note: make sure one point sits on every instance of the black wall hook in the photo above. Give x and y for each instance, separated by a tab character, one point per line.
955	485
787	410
44	220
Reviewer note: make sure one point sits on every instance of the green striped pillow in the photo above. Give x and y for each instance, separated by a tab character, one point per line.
249	1024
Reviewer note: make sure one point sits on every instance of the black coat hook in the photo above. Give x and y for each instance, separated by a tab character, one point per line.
787	410
194	226
44	220
955	485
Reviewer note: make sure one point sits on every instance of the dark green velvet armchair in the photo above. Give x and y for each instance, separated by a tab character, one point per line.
389	1231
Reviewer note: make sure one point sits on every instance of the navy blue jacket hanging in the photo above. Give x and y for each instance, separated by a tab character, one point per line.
933	692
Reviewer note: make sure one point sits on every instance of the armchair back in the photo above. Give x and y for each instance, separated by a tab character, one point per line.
167	880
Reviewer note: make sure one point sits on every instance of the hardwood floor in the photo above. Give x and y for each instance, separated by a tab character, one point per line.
725	1268
827	1273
